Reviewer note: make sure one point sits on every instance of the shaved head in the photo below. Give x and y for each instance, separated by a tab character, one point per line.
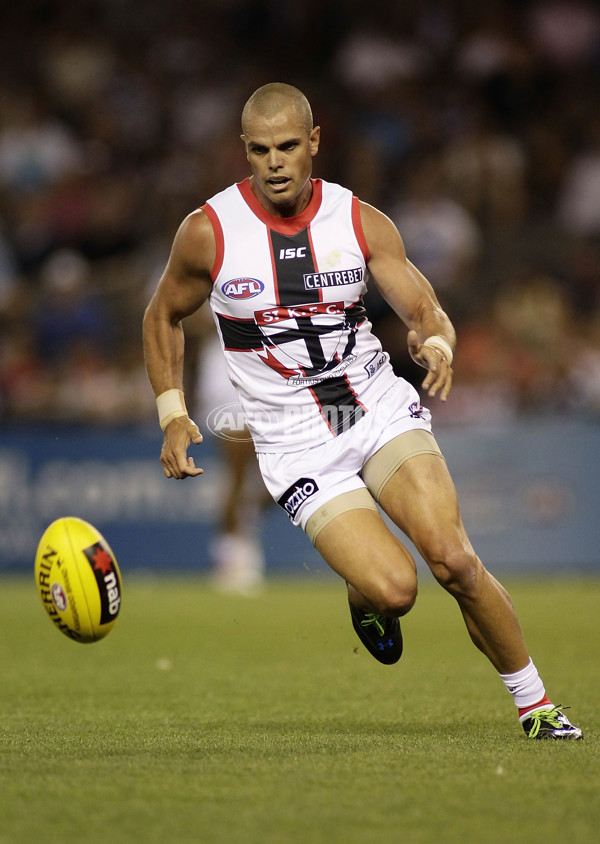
274	98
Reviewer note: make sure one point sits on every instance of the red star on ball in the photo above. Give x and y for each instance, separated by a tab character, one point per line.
102	561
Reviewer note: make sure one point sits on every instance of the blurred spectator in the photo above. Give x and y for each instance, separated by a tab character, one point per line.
585	371
66	315
25	386
36	147
440	236
534	317
565	31
77	64
579	198
489	48
372	58
8	270
485	168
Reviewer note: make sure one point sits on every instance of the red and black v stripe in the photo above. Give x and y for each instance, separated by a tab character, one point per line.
293	258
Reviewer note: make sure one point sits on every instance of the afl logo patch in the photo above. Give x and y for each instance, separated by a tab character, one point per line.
242	288
59	599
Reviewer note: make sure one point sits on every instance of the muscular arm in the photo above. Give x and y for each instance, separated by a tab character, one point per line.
183	288
411	296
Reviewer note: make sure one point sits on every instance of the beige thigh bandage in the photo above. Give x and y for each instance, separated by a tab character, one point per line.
355	499
381	466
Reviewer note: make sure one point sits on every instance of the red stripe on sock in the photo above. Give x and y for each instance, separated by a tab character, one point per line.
545	701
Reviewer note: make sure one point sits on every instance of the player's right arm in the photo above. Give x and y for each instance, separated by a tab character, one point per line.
183	288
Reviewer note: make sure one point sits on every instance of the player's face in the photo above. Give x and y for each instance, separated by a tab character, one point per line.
280	152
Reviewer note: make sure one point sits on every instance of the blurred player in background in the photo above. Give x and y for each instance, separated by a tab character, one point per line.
236	556
284	260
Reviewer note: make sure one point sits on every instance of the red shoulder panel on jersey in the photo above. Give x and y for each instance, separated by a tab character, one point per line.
219	240
358	229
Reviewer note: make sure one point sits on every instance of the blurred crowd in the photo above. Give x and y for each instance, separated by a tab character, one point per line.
475	126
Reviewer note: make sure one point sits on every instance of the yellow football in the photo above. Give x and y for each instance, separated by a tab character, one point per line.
78	579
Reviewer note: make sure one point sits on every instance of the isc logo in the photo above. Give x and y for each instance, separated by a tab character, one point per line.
242	288
286	254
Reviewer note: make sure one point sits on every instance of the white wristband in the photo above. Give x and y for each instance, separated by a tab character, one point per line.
437	342
170	404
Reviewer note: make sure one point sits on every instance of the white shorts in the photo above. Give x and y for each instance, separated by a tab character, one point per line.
303	481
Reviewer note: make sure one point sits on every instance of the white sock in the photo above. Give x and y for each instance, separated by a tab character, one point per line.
525	686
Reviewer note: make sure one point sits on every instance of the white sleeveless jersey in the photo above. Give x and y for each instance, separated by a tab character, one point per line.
287	301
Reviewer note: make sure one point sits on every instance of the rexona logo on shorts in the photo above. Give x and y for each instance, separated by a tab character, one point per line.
294	497
242	288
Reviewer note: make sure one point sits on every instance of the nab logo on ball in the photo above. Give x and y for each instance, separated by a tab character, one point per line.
243	288
109	588
78	579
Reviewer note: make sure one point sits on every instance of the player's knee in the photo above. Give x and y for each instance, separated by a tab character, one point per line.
458	570
396	595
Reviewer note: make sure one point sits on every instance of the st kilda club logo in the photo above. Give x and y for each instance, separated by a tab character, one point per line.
109	584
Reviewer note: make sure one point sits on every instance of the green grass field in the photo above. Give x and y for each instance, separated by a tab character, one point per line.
211	718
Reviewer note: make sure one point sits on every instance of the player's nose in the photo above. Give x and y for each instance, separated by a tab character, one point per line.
274	159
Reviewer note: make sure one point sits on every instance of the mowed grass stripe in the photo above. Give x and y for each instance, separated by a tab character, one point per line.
210	718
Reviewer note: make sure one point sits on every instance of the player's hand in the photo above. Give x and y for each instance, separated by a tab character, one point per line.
439	375
180	433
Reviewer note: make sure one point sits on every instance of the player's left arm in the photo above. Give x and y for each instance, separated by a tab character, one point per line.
431	336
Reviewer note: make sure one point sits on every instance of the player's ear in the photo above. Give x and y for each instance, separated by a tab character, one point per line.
314	138
243	137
